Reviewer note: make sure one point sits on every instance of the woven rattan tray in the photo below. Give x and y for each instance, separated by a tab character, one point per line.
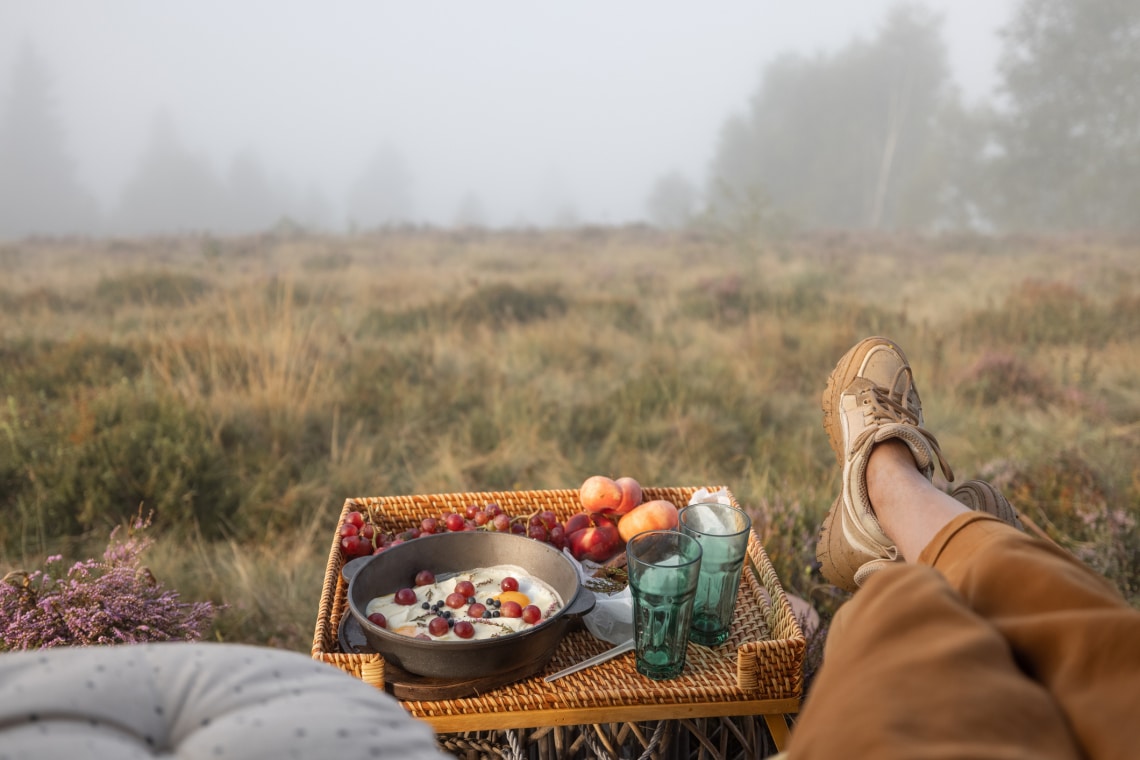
758	670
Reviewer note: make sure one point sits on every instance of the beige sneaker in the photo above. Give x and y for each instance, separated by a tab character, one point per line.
982	496
870	398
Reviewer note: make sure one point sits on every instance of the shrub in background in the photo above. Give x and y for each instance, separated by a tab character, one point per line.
113	601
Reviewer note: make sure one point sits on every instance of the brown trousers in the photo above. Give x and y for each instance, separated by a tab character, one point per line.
995	645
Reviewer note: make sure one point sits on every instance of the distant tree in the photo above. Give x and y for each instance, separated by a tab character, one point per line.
1069	132
673	201
172	190
847	140
254	205
470	213
382	194
39	193
312	208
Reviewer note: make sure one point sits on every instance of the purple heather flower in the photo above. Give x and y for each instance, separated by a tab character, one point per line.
113	601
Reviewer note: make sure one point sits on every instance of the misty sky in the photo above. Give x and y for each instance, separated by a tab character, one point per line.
529	106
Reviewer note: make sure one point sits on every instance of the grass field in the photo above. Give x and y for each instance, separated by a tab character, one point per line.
241	389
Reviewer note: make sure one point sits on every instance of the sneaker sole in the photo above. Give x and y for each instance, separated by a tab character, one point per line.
983	497
836	560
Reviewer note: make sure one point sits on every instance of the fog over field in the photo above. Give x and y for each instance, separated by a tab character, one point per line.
500	113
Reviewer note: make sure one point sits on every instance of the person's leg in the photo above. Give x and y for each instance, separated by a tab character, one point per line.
909	662
911	672
1066	626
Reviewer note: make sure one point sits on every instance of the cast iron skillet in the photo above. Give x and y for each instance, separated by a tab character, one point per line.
395	568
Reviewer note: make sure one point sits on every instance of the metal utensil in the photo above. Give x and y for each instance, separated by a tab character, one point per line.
609	654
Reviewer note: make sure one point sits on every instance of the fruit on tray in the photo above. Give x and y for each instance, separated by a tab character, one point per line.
652	515
603	495
600	494
598	543
612	512
630	495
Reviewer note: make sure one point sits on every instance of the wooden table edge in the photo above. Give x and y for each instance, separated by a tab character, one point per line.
445	724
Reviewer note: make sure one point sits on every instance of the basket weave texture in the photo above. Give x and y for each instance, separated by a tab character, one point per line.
762	659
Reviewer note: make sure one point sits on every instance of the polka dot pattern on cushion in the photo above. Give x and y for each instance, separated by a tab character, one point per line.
193	701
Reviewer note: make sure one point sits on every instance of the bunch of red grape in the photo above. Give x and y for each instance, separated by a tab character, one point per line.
359	537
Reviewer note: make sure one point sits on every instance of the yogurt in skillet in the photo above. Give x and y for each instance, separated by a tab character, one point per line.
485	614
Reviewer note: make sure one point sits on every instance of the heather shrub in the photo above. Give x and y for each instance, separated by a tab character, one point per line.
88	464
154	288
501	304
999	376
115	600
53	369
1082	508
1038	313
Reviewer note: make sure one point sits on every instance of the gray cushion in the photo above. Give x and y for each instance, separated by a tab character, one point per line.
192	700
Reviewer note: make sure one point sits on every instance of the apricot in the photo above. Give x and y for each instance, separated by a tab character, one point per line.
652	515
600	494
630	495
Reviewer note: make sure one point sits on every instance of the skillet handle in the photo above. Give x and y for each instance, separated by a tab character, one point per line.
582	604
352	567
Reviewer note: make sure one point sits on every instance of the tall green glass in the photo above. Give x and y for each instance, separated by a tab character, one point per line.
664	566
722	532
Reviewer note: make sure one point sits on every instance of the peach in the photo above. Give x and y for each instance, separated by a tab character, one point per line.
652	515
577	522
600	494
630	495
597	544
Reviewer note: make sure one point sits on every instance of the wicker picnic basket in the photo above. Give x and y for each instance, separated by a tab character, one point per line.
760	665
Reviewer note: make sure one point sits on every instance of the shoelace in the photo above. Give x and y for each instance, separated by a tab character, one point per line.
882	407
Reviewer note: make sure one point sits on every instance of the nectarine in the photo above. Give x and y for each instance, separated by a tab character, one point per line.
598	544
630	495
652	515
600	494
